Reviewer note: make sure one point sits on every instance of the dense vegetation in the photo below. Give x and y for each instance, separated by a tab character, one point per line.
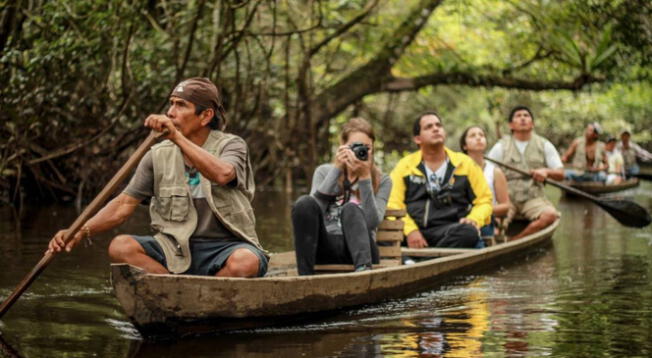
79	77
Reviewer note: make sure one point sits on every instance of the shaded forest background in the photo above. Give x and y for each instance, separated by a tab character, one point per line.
79	77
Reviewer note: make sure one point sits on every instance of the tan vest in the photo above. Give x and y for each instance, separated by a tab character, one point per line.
523	188
629	156
173	214
579	159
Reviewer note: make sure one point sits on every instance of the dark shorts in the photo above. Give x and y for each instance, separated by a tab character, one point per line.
208	256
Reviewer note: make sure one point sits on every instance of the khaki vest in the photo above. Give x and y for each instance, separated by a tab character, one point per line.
523	188
579	159
174	217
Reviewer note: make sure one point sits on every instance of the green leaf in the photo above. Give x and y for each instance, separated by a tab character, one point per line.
600	58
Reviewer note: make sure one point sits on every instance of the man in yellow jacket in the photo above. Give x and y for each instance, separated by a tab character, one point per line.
444	192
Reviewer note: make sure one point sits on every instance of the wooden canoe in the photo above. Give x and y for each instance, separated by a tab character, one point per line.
181	305
601	188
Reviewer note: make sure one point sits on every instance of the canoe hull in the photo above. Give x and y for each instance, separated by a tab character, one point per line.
182	305
600	188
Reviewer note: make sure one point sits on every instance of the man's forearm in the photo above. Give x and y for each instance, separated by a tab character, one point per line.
112	214
212	168
555	174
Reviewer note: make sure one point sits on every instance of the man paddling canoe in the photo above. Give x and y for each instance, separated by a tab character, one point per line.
587	157
201	185
534	154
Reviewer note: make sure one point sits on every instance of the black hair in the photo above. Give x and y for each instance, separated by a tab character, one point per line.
611	139
416	128
215	121
463	137
519	108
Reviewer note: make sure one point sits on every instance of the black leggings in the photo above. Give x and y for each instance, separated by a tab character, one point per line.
313	244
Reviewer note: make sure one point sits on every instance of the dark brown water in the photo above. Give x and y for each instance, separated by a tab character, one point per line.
589	295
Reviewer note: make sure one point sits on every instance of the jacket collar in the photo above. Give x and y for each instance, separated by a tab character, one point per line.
454	157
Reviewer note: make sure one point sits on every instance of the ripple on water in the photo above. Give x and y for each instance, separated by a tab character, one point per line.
126	329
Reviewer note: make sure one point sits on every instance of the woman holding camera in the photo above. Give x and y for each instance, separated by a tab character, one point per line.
336	223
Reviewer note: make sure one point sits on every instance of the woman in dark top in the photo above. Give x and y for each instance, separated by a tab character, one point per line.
336	223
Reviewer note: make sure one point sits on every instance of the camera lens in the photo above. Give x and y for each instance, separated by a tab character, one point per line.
362	153
360	150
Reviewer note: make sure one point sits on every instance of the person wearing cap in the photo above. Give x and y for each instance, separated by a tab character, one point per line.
532	153
616	169
200	185
631	151
588	158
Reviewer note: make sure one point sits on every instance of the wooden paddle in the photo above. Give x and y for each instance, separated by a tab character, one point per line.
90	210
6	350
626	212
644	176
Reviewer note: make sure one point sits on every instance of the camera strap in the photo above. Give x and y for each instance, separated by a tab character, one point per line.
436	183
348	188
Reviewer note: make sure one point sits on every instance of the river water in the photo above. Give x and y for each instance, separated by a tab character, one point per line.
588	295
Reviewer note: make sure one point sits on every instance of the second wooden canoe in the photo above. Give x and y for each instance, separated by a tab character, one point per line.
597	188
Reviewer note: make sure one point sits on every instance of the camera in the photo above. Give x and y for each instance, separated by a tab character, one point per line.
440	199
360	150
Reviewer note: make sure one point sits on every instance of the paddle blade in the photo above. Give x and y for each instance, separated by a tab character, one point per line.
626	212
644	176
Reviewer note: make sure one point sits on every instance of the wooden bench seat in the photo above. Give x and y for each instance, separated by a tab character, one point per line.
434	251
388	237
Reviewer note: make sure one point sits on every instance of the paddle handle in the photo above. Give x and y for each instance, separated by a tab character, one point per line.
547	181
88	212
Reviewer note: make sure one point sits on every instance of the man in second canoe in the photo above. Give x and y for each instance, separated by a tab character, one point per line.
631	151
445	193
532	153
589	159
200	183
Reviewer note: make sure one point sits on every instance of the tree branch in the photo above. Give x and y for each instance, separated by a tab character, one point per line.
539	55
370	77
191	39
397	84
313	51
51	154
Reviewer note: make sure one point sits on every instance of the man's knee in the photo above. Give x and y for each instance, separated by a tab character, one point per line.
122	247
243	263
468	233
458	235
548	217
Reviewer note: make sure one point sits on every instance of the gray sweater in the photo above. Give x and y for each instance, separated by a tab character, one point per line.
324	181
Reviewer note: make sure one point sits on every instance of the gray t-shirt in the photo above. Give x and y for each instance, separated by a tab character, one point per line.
141	187
373	205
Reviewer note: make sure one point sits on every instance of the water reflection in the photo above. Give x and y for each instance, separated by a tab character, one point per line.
589	295
453	332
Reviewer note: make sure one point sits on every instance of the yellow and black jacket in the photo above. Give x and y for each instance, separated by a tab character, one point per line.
465	193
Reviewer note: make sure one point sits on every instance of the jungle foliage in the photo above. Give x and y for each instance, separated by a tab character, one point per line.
78	77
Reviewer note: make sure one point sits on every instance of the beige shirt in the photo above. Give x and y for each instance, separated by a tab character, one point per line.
615	160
